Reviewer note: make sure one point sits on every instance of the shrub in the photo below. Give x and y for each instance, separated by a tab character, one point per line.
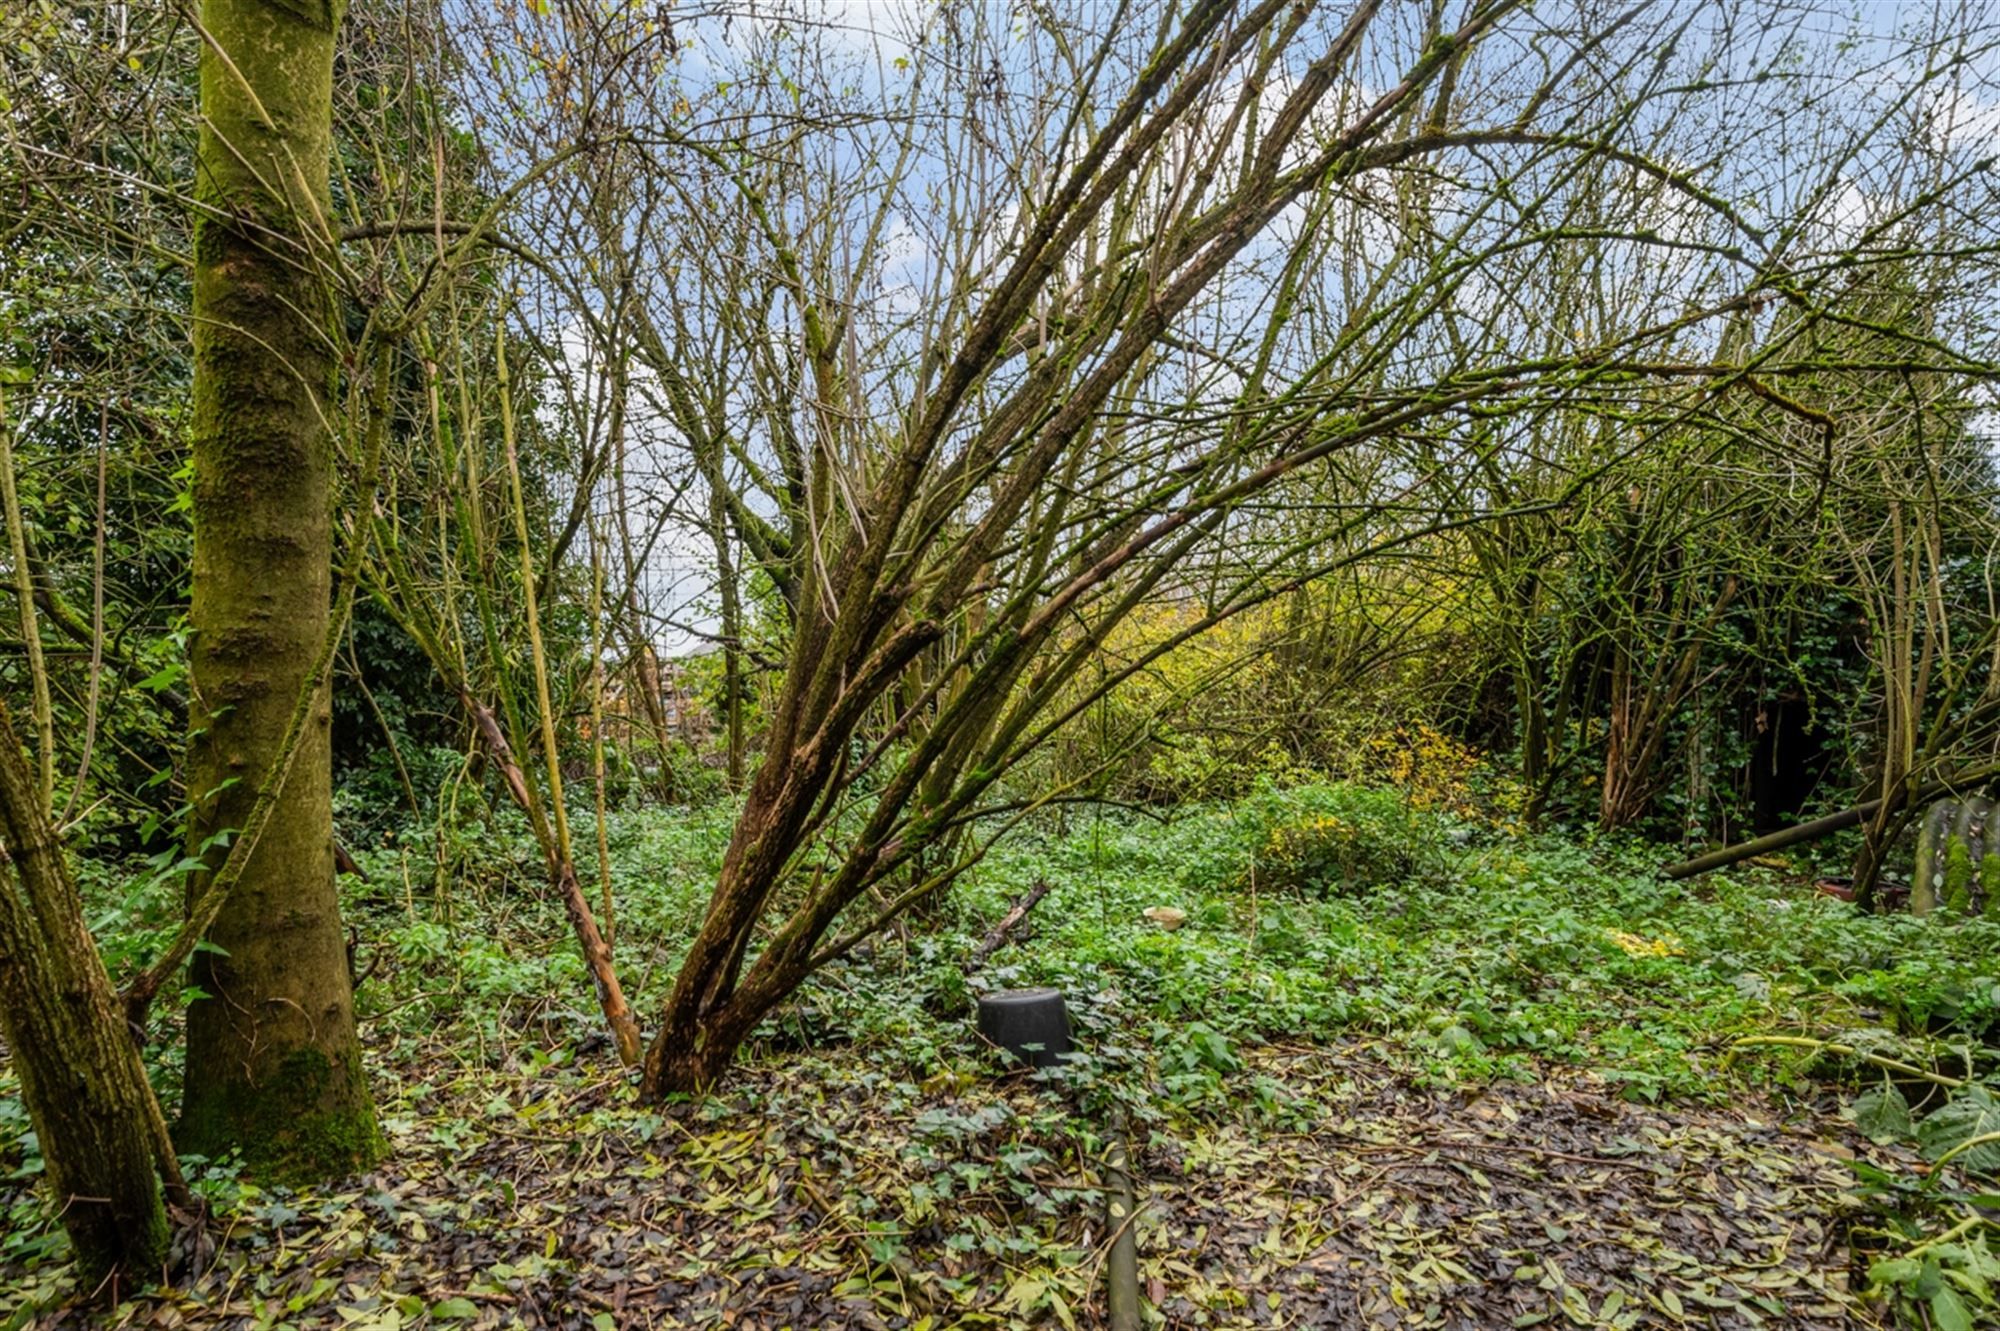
1340	838
1436	772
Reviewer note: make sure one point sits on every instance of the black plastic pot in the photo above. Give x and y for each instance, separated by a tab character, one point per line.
1014	1019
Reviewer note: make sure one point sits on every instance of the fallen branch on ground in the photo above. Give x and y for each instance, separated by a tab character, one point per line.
997	935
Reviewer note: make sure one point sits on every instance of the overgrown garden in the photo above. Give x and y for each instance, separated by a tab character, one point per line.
583	579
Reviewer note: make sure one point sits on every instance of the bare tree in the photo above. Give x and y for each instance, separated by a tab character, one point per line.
1053	327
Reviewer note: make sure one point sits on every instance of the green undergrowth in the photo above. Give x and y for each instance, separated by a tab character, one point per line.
1310	914
1451	952
1487	952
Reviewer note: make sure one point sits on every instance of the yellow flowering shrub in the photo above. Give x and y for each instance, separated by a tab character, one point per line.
1433	770
1318	685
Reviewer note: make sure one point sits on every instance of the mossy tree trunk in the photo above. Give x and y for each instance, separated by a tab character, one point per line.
102	1136
273	1062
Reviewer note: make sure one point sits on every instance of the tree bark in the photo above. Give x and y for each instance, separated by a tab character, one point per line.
273	1061
101	1132
690	1059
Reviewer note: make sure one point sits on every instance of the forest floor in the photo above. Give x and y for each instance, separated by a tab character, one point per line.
1503	1094
788	1204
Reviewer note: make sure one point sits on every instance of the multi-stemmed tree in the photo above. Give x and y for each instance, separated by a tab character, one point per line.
1049	334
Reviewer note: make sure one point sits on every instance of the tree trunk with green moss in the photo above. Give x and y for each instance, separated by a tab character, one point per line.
100	1128
273	1062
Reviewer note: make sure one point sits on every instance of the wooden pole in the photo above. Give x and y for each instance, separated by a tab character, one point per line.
1120	1213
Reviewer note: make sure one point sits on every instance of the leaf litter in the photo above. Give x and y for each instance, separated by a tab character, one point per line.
819	1190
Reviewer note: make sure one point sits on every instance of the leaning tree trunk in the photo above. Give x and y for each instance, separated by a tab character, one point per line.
273	1062
708	1015
100	1128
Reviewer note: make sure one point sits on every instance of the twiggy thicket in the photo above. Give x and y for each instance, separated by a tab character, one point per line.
1024	405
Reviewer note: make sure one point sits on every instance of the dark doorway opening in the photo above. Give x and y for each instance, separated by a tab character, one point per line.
1787	760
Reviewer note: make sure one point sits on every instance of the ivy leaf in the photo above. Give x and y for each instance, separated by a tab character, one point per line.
1882	1115
1970	1114
1948	1311
1895	1271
